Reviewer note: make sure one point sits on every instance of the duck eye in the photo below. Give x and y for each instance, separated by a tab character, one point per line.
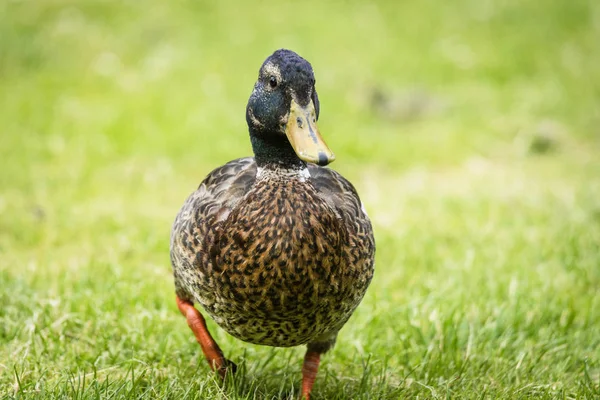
272	81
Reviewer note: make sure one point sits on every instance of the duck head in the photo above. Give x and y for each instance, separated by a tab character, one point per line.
283	110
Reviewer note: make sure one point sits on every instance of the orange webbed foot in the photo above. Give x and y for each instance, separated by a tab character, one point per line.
210	348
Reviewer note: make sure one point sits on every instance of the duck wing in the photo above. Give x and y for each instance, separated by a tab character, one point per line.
341	195
196	224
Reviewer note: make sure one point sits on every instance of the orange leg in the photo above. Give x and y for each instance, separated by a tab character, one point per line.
309	372
210	348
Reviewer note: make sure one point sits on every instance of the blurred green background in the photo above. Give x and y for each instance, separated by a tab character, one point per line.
470	128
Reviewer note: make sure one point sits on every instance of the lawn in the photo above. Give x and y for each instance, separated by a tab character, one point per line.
470	128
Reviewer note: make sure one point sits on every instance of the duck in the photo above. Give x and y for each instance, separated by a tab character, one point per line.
276	248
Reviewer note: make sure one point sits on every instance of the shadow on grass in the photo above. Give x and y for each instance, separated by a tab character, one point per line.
266	381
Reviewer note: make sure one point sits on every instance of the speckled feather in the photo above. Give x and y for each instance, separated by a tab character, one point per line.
275	256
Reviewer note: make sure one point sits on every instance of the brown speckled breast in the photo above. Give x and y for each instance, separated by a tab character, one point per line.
282	265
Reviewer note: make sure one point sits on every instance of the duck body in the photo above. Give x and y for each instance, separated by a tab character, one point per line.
276	248
276	256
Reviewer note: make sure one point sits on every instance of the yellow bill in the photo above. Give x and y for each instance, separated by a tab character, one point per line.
303	134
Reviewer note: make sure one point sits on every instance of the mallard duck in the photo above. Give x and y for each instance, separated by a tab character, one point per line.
276	248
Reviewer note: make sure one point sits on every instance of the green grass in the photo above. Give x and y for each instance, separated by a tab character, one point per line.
470	128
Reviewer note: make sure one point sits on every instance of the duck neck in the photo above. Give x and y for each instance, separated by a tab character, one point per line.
274	150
